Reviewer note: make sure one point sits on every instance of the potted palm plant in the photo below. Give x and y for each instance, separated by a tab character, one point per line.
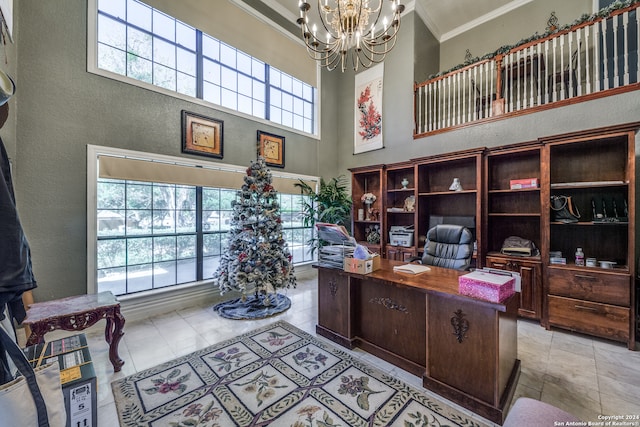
331	203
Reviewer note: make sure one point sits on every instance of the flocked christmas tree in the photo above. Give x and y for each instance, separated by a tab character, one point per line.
257	259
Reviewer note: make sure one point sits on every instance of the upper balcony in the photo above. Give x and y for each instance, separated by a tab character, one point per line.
593	59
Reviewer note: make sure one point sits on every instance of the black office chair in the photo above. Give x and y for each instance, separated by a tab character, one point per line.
448	246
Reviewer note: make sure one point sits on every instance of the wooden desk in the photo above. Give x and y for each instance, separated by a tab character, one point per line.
463	348
76	314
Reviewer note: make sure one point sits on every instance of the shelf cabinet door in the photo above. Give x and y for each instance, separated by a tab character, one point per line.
398	253
531	282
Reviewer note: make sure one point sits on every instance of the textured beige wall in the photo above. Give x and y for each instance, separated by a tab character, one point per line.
510	28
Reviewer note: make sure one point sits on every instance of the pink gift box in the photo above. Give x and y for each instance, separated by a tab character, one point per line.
487	286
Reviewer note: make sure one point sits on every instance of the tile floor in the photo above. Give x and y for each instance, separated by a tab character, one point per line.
585	376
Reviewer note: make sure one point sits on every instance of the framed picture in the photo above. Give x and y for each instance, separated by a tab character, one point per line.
201	135
368	110
271	147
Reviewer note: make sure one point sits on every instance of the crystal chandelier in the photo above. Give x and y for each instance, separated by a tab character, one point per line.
351	34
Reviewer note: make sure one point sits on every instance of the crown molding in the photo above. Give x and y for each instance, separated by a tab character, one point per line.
278	8
484	19
423	13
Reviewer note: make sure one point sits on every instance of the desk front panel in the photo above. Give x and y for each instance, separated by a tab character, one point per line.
463	346
391	317
334	302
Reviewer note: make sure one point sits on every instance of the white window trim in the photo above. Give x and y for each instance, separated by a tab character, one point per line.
94	151
92	67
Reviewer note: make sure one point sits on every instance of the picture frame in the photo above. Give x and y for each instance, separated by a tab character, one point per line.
202	135
271	147
368	117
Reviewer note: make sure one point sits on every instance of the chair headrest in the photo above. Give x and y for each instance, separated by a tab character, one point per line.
450	233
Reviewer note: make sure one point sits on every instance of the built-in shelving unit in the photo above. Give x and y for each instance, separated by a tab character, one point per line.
400	211
437	202
513	208
368	179
597	170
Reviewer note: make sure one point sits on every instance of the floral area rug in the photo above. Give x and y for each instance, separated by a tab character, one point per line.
277	375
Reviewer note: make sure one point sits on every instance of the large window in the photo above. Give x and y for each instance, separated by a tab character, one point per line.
151	235
141	43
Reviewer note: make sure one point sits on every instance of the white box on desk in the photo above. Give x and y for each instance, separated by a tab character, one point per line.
362	266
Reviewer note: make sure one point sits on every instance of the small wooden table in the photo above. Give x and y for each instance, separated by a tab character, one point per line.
75	314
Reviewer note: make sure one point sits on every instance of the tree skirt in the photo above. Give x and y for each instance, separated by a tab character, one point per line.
254	307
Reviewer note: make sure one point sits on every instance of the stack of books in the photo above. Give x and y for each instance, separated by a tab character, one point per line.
555	257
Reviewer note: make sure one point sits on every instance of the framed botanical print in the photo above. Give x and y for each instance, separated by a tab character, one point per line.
271	147
201	135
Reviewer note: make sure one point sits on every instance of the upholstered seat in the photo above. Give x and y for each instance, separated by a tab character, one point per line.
448	246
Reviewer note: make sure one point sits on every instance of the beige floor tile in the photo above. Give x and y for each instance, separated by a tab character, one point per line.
107	415
614	405
571	370
531	378
582	403
573	343
624	390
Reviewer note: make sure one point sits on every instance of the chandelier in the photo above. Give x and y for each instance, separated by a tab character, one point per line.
351	34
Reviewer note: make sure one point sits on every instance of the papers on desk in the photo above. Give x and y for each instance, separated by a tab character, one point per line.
410	268
335	234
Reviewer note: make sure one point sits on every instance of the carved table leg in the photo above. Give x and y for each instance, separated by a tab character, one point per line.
112	334
37	333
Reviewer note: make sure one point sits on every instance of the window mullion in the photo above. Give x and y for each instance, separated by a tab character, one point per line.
267	95
199	66
199	236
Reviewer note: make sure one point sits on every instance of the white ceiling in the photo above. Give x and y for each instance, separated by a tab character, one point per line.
444	18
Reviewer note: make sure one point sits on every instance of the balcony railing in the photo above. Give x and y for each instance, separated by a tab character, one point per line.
590	60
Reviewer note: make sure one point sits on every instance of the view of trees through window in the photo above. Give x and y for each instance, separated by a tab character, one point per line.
144	44
153	235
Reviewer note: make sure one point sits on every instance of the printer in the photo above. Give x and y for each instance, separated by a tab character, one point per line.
401	235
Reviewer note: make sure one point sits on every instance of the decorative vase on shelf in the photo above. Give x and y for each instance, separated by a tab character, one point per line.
368	211
368	199
404	183
455	185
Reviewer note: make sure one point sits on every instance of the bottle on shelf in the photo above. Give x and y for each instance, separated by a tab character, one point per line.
579	257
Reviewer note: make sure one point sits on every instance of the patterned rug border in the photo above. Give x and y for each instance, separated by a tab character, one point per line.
132	411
